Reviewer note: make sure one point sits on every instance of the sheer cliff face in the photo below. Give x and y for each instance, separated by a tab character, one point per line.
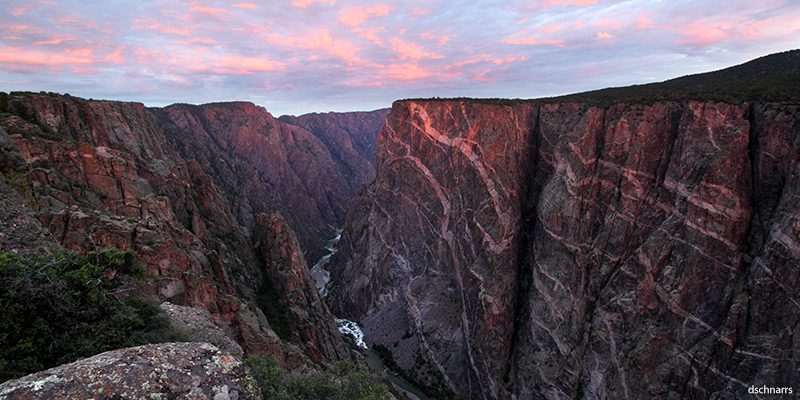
104	174
435	239
561	251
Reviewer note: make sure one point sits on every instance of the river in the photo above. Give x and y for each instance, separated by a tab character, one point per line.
346	327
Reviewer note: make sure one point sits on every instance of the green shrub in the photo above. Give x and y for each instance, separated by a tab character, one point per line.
346	382
435	387
61	308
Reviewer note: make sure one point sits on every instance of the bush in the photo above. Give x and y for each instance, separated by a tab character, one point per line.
58	309
346	382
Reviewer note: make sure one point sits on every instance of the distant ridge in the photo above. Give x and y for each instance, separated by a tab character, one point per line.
771	78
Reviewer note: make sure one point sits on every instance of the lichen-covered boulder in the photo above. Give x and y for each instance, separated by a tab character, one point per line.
157	371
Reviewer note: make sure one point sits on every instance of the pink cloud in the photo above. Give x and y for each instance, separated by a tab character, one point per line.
442	39
155	26
85	71
552	3
642	22
22	10
116	56
245	6
550	28
11	57
148	56
482	76
21	30
354	16
509	60
412	51
405	72
532	40
215	12
370	34
604	35
306	3
205	41
771	28
55	41
603	23
237	65
705	34
321	41
85	54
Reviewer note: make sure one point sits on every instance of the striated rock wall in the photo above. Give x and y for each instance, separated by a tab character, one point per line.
436	237
562	251
104	174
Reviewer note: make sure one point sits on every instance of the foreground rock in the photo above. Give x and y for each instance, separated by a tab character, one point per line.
199	326
169	370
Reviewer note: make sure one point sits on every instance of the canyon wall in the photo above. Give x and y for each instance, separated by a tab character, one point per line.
264	165
100	173
527	250
351	137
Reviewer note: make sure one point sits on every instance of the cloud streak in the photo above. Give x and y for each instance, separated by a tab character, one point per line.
320	55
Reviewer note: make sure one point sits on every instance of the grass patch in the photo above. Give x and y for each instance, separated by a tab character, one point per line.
435	387
347	382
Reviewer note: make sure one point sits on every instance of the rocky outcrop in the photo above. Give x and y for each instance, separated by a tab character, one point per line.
20	229
169	370
104	174
198	326
288	294
264	165
564	251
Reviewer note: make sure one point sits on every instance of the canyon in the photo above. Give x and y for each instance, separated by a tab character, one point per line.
196	192
630	243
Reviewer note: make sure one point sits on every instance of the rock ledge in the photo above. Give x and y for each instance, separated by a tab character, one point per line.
157	371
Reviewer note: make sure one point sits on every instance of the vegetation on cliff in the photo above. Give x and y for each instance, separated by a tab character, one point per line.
55	309
348	381
772	78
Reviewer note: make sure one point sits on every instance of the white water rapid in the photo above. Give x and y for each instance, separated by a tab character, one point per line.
321	279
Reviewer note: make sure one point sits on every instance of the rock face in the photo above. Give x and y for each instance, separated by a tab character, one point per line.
105	174
20	229
169	370
562	251
289	295
264	165
352	139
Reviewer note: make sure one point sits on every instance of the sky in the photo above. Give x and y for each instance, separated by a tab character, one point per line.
300	56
